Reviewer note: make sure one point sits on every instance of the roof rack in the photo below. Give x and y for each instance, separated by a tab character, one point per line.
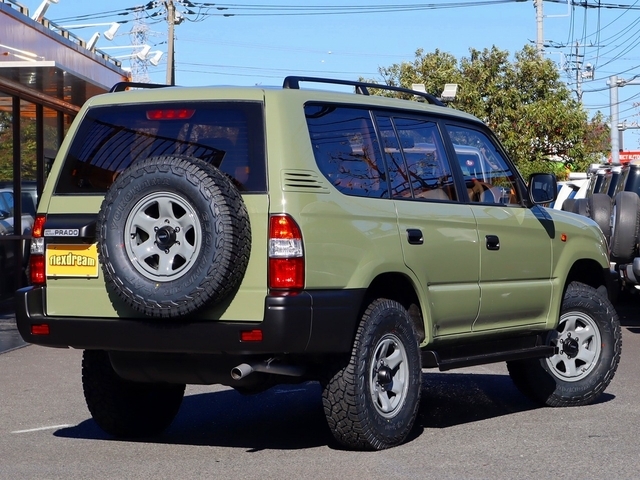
122	86
293	82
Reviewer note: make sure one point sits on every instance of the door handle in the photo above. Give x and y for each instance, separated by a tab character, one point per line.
414	236
493	242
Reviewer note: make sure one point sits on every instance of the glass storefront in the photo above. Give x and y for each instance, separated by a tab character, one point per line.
30	135
45	76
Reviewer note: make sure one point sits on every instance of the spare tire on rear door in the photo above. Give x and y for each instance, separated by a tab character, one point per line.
173	236
625	221
600	211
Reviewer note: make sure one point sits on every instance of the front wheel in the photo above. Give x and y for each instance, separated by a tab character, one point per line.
588	342
372	402
123	408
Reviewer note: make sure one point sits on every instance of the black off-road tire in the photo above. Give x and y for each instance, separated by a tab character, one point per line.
123	408
600	207
173	236
581	207
568	204
372	402
625	220
589	341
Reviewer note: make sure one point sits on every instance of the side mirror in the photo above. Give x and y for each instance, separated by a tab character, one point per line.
543	188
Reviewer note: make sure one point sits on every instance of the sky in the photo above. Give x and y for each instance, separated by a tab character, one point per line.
260	42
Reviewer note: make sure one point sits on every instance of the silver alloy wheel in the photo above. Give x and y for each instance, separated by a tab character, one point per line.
389	376
579	346
163	236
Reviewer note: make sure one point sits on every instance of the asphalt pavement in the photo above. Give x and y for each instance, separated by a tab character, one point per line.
472	424
9	336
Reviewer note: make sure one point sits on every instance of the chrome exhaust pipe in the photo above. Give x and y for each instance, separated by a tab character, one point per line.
241	371
245	369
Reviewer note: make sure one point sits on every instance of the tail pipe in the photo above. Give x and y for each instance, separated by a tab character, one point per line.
244	369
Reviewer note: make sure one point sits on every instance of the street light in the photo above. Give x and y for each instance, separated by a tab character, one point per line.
155	59
140	54
38	15
447	95
108	34
91	44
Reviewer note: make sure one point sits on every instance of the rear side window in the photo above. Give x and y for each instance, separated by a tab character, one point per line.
416	159
229	135
346	150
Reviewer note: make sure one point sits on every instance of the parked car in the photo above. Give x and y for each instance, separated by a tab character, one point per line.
257	236
9	263
572	189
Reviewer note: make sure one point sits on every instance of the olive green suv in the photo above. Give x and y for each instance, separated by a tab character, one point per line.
251	237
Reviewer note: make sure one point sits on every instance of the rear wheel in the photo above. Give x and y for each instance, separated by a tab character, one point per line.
372	402
123	408
588	341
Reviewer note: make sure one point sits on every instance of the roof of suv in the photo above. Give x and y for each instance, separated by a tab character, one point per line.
152	93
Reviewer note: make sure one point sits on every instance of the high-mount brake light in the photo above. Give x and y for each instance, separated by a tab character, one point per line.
286	254
36	258
170	114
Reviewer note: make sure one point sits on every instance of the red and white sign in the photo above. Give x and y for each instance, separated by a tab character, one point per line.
627	156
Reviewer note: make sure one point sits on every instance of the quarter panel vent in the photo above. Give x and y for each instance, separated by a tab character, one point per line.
304	181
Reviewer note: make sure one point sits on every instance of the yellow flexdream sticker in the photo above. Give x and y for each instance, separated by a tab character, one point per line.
72	261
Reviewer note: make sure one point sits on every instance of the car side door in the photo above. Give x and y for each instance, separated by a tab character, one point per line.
438	232
515	245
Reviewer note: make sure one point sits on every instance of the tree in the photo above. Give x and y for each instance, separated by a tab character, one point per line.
522	100
27	146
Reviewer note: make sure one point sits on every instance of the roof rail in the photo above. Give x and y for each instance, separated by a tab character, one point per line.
293	82
122	86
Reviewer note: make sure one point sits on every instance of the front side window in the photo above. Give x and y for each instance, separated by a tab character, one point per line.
229	135
416	158
486	172
346	149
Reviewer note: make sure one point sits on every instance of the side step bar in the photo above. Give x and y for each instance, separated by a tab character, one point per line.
481	353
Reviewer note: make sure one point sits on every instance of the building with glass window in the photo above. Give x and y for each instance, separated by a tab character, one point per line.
46	74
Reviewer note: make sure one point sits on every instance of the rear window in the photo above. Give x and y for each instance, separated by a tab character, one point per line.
229	135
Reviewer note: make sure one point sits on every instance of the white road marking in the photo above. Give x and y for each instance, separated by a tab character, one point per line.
42	428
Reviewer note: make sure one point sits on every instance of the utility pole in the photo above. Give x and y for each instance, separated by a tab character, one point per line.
616	127
171	67
578	62
539	24
614	133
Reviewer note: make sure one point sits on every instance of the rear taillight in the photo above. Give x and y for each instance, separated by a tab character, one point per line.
36	258
286	254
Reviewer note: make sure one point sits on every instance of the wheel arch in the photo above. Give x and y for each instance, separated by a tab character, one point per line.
399	287
587	271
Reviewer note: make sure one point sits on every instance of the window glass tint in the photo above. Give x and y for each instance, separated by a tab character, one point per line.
487	174
416	159
6	204
346	149
228	135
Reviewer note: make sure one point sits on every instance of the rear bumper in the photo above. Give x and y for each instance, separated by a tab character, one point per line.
311	322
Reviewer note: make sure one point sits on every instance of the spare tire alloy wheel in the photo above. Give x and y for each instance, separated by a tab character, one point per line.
372	402
625	226
185	232
175	231
588	343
